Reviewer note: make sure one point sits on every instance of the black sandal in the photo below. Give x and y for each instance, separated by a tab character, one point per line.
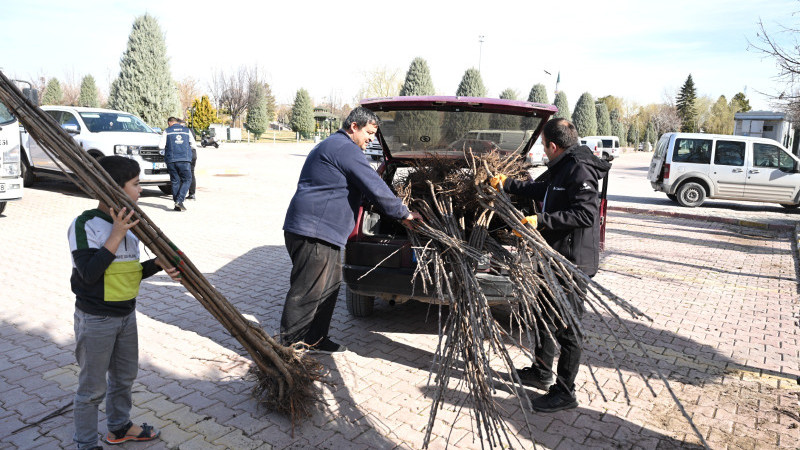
117	437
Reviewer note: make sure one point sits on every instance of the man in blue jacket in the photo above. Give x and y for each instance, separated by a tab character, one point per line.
333	181
177	142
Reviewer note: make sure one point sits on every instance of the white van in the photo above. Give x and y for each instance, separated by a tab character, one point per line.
594	143
610	146
690	167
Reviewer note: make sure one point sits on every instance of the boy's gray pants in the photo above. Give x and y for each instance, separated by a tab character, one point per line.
104	344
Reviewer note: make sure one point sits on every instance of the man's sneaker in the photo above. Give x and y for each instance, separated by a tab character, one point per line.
556	399
177	208
532	376
180	205
328	346
190	197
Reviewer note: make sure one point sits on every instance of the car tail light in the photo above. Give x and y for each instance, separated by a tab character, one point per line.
665	171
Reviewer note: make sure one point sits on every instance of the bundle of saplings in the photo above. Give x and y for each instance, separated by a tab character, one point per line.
469	229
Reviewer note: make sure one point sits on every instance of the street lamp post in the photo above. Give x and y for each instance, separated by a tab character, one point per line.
480	51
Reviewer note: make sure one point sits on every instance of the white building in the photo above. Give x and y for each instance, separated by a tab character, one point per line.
768	124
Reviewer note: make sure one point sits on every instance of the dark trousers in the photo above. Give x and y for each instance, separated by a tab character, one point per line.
313	289
180	174
569	361
193	186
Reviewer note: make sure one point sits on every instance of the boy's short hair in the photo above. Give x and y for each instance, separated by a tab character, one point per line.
120	168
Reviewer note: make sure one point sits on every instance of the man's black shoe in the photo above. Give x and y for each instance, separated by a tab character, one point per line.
190	197
328	346
532	376
180	205
177	208
556	399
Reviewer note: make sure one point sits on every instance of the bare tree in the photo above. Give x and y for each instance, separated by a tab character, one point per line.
188	91
788	60
380	82
71	88
666	119
232	91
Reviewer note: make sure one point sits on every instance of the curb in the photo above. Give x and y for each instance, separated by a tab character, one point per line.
706	218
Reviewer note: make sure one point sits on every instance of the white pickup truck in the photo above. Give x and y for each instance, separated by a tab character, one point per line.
101	132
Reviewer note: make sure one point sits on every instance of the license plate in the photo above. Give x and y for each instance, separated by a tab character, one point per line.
157	166
2	187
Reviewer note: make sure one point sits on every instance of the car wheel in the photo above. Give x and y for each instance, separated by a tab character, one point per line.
28	178
359	305
2	207
691	194
672	197
216	145
608	157
790	206
166	189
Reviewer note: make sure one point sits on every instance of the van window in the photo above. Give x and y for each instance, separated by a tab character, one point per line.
766	155
729	153
696	151
661	147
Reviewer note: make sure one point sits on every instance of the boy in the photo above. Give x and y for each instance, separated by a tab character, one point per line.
105	278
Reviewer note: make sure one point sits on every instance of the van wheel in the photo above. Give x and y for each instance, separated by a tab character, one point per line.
359	305
691	194
166	189
28	178
2	207
673	197
608	157
789	206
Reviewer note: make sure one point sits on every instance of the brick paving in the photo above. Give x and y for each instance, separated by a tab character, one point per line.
722	298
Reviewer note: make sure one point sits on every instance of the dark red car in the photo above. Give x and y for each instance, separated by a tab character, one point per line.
411	130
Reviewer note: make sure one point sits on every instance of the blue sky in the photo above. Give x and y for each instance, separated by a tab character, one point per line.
641	51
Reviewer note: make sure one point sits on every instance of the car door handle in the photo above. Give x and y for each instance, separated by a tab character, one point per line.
752	171
737	170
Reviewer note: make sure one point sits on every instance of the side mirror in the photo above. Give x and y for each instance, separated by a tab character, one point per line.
71	128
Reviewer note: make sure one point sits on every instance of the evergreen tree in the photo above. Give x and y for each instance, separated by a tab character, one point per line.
471	85
685	104
538	94
257	120
418	79
144	86
617	128
603	119
585	117
88	95
302	120
562	105
740	103
52	93
411	125
203	114
650	134
505	121
633	135
272	106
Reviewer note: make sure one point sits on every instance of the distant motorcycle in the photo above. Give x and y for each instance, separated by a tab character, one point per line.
207	139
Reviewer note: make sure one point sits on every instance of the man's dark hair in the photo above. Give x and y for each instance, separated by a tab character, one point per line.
361	117
560	132
173	119
120	168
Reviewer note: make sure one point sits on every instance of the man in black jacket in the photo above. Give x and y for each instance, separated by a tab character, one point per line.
570	222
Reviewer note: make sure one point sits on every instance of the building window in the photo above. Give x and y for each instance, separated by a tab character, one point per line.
767	127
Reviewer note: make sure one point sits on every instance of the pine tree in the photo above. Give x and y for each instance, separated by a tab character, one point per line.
52	93
203	114
257	120
418	79
585	117
685	104
617	128
272	106
562	105
633	135
650	133
740	103
505	121
411	125
144	86
88	95
302	120
538	94
471	85
603	119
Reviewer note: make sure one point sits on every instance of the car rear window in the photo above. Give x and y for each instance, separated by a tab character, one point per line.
690	150
417	133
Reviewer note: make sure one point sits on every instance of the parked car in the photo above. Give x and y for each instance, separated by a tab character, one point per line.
374	150
536	156
610	146
690	167
594	143
379	262
101	132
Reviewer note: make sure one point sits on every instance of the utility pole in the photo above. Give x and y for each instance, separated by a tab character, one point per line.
480	51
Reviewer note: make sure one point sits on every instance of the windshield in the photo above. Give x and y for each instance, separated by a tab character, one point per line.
109	121
415	133
5	115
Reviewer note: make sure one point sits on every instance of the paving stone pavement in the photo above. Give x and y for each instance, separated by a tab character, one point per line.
723	299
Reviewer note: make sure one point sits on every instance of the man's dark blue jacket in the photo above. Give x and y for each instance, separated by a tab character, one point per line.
335	177
177	144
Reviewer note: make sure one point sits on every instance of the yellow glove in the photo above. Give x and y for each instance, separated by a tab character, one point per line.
532	220
498	181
